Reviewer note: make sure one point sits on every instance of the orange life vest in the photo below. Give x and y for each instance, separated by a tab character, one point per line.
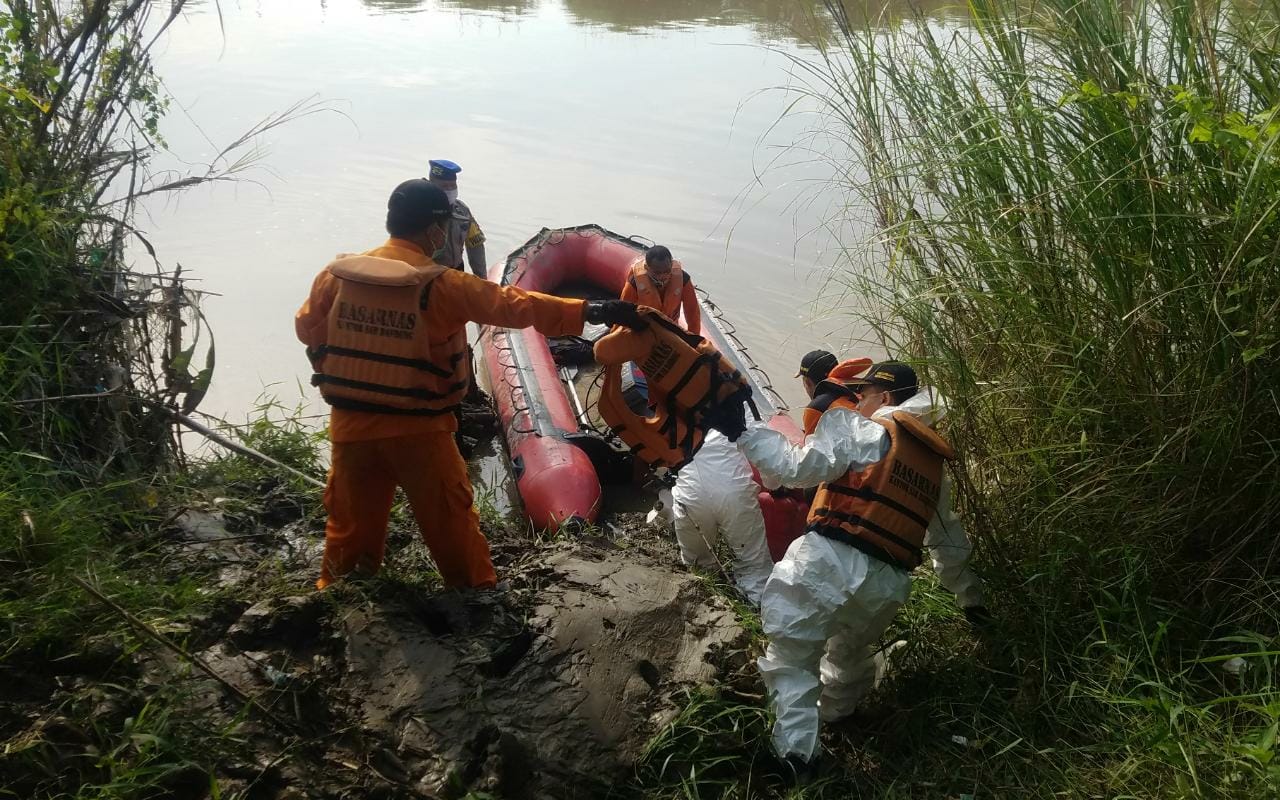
687	372
885	509
650	438
667	299
825	396
378	354
831	388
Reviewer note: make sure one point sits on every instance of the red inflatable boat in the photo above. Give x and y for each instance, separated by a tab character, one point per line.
559	458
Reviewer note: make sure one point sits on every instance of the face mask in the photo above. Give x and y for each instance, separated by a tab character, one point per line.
452	194
660	281
870	401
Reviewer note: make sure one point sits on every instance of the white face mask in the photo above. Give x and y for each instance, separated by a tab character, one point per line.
452	194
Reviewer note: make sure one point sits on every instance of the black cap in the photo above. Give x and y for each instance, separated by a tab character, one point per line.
419	197
816	364
414	205
892	375
657	253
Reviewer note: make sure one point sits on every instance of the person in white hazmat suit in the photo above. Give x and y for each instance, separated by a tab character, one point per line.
839	586
947	542
714	496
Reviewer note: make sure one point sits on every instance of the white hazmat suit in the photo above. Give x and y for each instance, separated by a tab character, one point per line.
714	496
827	603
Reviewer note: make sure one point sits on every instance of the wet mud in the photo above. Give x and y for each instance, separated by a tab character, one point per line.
548	687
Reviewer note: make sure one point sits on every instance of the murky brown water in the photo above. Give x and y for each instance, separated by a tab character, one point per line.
645	117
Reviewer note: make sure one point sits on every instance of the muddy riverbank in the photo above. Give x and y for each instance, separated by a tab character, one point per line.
550	686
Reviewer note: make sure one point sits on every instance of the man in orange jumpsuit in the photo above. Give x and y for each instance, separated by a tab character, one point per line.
661	282
385	331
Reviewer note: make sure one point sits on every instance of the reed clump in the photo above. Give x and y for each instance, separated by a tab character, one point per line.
1078	204
1073	208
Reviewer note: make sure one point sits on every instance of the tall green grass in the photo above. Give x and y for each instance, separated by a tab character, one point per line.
1075	237
1078	203
85	465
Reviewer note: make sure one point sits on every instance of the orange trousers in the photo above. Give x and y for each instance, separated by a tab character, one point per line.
362	485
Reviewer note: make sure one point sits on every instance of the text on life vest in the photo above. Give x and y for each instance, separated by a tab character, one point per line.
660	361
914	484
376	321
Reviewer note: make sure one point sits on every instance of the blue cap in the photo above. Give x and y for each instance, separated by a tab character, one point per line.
444	169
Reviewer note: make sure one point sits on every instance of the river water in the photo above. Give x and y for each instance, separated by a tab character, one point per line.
653	118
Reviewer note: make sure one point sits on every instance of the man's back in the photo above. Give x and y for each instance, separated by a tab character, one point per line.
720	467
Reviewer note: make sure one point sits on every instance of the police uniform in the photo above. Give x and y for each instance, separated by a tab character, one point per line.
464	234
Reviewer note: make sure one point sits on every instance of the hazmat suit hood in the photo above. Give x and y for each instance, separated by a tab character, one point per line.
926	405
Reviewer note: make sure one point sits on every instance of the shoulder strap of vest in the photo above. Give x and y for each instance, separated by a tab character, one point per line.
677	268
926	435
825	395
681	277
658	318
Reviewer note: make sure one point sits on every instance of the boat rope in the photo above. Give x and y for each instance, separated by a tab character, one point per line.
509	385
731	333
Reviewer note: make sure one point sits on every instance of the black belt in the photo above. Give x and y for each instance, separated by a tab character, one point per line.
858	543
377	408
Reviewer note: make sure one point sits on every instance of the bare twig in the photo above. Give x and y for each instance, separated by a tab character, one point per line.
199	428
217	539
222	167
59	398
243	450
93	18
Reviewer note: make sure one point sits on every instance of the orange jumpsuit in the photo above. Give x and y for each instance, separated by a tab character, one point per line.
373	453
688	300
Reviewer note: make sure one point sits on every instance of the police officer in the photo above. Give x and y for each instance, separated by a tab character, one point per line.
464	231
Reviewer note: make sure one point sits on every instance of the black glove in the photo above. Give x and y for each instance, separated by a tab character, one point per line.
730	418
614	312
